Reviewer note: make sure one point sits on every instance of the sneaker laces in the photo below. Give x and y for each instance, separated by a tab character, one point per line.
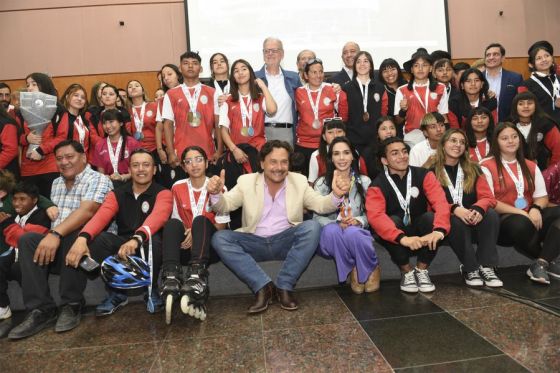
423	276
473	275
409	278
488	273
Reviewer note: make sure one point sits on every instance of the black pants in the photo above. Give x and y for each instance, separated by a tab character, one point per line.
420	226
43	182
201	251
9	271
35	284
307	154
518	231
107	244
485	233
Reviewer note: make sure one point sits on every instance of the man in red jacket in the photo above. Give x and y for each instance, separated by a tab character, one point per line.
399	205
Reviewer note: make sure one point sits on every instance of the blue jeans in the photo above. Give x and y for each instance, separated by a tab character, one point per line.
240	252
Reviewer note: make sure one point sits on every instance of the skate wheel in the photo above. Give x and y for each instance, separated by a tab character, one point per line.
202	316
185	304
192	311
168	308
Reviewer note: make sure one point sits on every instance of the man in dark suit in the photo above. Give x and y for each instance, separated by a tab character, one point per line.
503	82
349	52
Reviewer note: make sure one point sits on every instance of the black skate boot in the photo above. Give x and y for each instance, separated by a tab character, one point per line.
195	291
170	288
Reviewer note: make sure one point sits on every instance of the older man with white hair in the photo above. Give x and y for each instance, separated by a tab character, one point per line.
282	85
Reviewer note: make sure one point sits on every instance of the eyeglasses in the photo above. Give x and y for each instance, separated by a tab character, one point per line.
271	51
455	141
197	159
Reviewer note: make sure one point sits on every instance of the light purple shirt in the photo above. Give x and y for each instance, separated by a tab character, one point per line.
274	217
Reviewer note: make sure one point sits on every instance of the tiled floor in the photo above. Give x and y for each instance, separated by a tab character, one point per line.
456	329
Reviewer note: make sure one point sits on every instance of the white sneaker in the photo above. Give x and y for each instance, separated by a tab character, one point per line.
425	285
5	313
408	282
490	278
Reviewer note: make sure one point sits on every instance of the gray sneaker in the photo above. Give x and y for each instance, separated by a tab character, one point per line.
408	282
553	269
537	273
425	285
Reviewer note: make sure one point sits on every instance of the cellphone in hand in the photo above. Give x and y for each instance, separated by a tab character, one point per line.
88	264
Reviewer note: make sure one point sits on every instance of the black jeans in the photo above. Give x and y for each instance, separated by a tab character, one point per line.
35	284
43	182
485	233
201	251
420	226
9	271
518	231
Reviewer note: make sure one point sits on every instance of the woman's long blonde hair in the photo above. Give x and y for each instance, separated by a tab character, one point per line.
471	170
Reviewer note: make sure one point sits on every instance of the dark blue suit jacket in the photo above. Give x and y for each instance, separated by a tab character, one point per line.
292	82
510	81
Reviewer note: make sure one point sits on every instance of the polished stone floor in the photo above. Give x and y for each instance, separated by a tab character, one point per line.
455	329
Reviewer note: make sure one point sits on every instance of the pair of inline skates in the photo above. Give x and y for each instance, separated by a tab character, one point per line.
191	287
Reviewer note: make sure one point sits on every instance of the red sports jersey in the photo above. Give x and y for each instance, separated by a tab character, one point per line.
236	123
507	193
307	136
148	141
185	134
437	101
182	209
30	167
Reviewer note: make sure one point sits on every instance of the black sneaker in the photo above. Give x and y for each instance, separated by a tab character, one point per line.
69	317
34	322
490	278
537	272
471	278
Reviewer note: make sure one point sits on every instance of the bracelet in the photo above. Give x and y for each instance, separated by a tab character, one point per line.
535	206
55	233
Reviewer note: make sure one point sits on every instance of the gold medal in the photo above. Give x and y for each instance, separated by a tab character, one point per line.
365	117
244	131
194	118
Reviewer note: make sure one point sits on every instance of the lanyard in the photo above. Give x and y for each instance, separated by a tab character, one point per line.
139	120
314	104
246	111
79	126
457	189
518	181
114	156
364	93
197	208
477	152
193	100
404	202
426	95
555	89
219	90
150	302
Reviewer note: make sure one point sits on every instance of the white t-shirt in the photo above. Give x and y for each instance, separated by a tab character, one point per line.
420	153
313	167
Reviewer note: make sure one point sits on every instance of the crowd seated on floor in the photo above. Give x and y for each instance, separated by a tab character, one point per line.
276	165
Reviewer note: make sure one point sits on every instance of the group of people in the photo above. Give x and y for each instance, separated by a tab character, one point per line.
278	165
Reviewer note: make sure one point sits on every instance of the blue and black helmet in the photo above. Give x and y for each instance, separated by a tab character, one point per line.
130	273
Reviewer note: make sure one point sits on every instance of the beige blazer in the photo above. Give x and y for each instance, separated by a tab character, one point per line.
249	194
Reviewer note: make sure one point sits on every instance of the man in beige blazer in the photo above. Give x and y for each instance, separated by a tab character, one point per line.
272	224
